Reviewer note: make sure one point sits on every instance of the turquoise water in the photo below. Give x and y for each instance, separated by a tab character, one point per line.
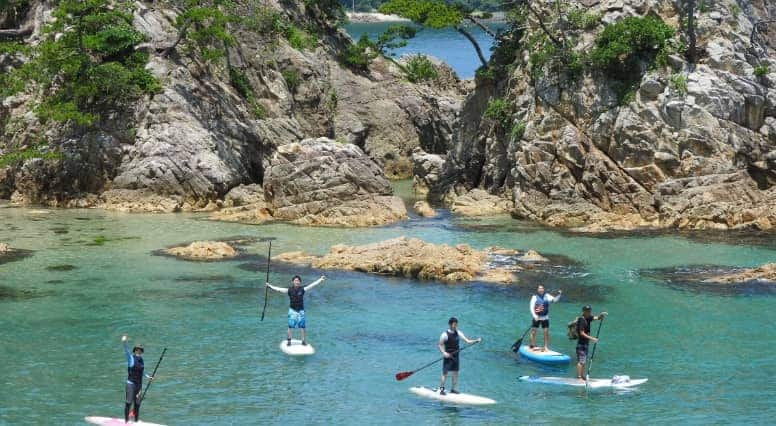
708	354
447	45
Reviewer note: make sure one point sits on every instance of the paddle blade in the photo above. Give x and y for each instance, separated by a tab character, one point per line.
516	346
403	375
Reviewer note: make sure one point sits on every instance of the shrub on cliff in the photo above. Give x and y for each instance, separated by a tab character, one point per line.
622	47
86	65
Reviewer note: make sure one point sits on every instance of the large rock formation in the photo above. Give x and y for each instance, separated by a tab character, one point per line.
692	146
414	258
322	182
215	125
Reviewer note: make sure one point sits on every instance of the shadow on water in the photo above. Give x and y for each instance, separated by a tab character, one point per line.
61	268
202	279
14	294
690	279
14	255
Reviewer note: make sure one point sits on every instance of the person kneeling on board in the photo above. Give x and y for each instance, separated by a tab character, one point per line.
540	311
583	330
134	378
449	346
295	293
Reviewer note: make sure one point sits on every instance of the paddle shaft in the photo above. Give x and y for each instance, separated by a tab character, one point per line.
148	385
266	289
432	363
592	354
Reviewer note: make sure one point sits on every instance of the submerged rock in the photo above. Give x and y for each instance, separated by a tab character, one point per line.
414	258
4	248
204	250
764	273
322	182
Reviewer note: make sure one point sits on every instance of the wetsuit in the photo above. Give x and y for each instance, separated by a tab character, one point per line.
135	368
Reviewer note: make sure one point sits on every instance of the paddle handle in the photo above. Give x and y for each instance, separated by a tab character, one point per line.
148	385
266	289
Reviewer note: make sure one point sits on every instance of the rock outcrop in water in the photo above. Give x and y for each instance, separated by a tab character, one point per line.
215	125
4	248
322	182
689	146
204	250
414	258
764	273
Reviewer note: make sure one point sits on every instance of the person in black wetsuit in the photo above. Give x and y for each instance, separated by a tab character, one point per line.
583	330
135	375
449	346
296	317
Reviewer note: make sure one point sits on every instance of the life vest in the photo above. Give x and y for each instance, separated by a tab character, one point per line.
544	304
135	373
451	344
296	295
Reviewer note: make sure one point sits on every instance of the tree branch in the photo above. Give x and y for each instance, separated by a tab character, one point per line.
474	43
181	35
484	28
16	32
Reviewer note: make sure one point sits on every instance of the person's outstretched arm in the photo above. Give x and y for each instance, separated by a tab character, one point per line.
278	289
130	358
467	340
554	299
314	283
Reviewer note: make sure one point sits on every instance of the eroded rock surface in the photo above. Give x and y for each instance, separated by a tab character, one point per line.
323	182
766	273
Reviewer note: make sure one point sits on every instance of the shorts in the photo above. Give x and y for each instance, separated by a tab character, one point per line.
295	319
581	354
132	393
542	323
450	364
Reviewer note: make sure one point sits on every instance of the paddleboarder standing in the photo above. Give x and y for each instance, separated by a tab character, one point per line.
540	311
450	348
135	375
296	317
583	329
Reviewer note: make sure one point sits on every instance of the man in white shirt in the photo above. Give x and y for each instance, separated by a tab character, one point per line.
540	311
448	345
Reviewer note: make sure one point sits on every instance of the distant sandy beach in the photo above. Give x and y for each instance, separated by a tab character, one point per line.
369	17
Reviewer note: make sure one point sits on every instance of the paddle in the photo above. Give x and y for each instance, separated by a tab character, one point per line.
592	354
266	289
404	374
516	346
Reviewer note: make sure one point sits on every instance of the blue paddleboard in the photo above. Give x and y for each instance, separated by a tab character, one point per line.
547	357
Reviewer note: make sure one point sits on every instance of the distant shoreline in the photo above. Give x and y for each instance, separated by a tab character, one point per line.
376	17
372	17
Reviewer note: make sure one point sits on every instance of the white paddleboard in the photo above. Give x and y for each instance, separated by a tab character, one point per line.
112	421
296	348
451	398
591	383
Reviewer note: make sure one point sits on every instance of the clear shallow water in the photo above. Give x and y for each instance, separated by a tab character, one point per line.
447	45
708	355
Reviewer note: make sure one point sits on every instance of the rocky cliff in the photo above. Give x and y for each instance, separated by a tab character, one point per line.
213	124
575	127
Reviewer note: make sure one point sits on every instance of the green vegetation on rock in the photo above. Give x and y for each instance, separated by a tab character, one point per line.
761	70
419	68
623	46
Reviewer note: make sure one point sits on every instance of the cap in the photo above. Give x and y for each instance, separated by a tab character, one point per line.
586	308
452	320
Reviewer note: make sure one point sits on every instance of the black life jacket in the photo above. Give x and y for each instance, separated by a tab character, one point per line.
451	345
296	295
135	373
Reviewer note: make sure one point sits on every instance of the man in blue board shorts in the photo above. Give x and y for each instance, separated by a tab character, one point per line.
135	375
583	329
540	311
449	346
296	293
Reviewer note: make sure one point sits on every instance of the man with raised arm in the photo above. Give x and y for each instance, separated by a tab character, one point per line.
296	318
135	375
540	311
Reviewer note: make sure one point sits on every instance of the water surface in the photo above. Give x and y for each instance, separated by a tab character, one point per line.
708	355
